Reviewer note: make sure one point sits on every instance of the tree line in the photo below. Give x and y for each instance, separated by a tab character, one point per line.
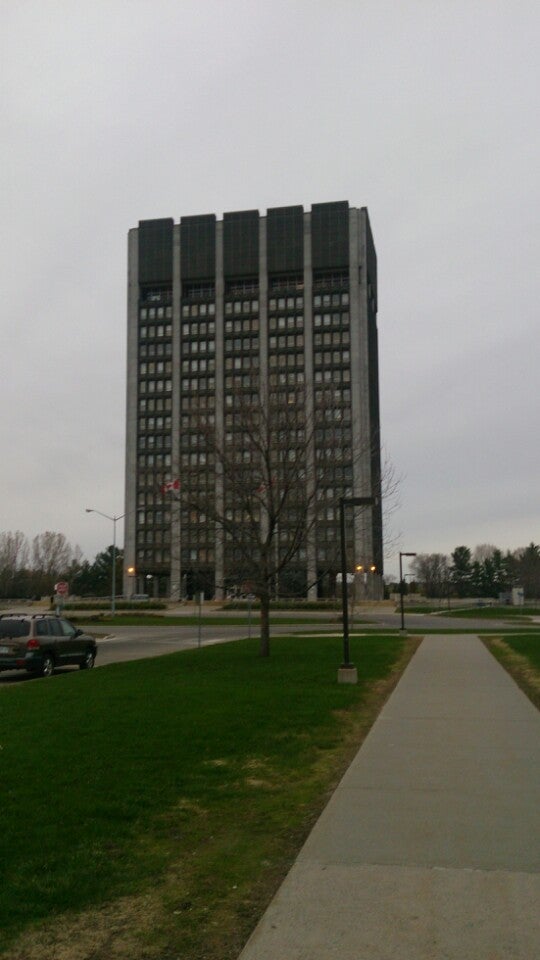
483	572
30	569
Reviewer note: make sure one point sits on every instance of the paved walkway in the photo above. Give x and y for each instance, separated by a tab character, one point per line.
430	847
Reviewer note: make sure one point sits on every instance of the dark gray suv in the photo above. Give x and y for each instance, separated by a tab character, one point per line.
39	642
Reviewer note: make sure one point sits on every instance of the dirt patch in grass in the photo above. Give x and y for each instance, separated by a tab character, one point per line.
518	666
112	932
201	908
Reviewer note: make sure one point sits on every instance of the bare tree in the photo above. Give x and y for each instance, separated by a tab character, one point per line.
483	552
52	557
14	554
263	492
391	482
432	572
262	511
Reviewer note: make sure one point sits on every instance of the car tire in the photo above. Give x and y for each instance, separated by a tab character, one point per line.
89	660
47	666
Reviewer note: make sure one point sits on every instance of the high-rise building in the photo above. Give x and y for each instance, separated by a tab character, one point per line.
246	307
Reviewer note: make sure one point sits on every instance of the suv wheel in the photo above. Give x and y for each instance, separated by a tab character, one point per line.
88	661
47	667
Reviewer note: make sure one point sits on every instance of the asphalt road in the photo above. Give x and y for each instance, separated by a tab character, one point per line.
136	643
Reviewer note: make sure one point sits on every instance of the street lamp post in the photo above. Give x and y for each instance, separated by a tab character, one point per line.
402	587
347	672
113	585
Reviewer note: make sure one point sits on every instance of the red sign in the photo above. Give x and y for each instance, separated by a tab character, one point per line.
62	588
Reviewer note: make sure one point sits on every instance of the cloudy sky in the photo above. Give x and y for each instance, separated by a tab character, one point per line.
425	111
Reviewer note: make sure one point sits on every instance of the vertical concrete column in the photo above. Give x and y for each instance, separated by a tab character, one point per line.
263	310
219	548
130	501
263	337
311	476
176	505
361	427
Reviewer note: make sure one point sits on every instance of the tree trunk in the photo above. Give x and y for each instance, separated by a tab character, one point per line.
265	624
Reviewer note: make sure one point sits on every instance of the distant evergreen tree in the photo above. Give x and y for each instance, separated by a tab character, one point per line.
461	572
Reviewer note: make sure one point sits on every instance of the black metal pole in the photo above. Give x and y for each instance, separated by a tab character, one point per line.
345	599
403	553
401	585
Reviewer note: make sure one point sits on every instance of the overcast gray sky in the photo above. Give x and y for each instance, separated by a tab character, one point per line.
425	111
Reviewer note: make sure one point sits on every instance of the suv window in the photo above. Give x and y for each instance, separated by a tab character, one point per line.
14	628
66	629
55	628
42	628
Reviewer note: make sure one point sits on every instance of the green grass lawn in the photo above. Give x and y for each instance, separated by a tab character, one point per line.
189	779
492	613
519	653
526	645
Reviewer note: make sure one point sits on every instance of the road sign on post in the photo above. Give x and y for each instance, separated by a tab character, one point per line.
62	588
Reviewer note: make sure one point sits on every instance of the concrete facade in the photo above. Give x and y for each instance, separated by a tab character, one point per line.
250	304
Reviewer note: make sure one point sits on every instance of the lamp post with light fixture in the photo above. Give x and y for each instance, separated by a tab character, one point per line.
114	520
347	672
402	587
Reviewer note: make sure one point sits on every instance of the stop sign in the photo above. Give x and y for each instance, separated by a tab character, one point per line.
62	588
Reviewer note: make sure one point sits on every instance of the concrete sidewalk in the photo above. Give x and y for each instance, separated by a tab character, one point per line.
430	847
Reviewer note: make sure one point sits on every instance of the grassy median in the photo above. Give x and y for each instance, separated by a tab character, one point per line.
492	613
153	807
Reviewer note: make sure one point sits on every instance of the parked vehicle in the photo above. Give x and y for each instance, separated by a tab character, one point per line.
39	643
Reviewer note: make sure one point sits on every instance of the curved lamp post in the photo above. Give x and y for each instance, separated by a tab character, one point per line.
114	520
402	587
